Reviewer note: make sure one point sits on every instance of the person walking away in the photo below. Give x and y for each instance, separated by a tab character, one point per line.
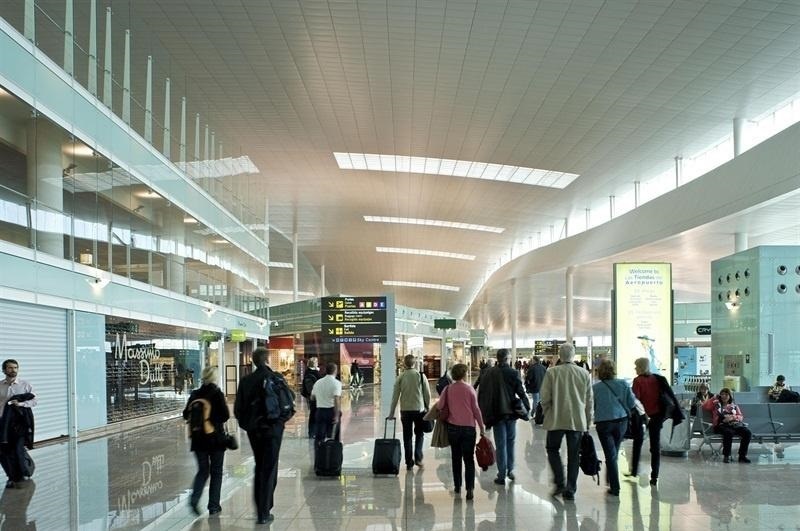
567	401
309	379
16	423
265	436
464	414
613	401
207	413
727	419
500	387
648	388
534	378
411	390
327	393
356	378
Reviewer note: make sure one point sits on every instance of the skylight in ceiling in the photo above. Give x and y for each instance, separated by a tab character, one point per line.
425	252
434	223
423	285
455	168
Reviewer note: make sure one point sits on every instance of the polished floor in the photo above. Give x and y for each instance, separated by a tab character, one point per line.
140	480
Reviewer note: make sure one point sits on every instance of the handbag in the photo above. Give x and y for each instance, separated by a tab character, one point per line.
484	453
226	439
439	437
427	425
636	420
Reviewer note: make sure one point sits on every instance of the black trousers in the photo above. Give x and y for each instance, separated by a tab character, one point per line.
266	445
208	464
462	449
728	433
12	455
654	433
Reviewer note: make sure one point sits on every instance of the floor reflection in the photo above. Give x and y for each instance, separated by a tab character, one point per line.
141	480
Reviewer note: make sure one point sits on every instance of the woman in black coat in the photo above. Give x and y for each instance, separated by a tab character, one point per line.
206	411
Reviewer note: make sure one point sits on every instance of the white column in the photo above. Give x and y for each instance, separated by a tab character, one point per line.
167	139
443	353
108	95
69	39
611	206
569	303
92	78
45	178
126	80
175	230
588	218
637	188
514	316
388	363
182	146
294	267
197	137
322	292
737	136
740	242
678	171
29	23
148	102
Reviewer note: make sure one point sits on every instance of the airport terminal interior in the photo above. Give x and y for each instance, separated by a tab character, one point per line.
183	182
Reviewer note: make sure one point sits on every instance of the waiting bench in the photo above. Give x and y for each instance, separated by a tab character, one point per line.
767	422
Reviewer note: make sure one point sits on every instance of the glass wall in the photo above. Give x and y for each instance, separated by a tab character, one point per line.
60	197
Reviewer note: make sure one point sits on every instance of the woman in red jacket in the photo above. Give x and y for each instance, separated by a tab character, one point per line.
727	417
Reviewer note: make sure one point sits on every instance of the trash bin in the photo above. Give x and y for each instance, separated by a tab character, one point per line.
676	440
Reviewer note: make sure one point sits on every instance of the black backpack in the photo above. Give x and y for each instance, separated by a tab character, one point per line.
278	399
589	463
200	417
309	379
538	416
443	382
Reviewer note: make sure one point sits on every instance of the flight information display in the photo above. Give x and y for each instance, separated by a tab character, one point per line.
354	319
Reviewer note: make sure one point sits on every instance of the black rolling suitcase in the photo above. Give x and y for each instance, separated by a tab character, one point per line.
328	456
386	456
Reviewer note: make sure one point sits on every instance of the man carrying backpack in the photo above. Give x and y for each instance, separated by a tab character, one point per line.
309	379
567	400
263	405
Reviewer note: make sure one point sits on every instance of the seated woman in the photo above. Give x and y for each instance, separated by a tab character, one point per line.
727	420
700	398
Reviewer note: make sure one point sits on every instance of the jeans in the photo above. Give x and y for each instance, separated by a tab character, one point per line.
323	424
208	463
312	418
535	399
505	431
462	448
728	432
412	425
654	433
553	445
266	445
611	433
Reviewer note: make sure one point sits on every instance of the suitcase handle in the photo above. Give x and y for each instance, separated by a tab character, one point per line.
386	427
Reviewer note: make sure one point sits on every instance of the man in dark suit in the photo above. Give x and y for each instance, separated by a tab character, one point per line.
265	437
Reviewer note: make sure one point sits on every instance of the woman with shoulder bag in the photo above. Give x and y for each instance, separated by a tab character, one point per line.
463	414
613	401
206	412
727	417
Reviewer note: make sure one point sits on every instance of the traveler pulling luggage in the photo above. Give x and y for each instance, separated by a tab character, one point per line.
386	455
328	456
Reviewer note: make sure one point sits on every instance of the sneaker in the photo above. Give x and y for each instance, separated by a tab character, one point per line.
499	481
612	492
457	490
409	467
653	482
195	509
630	474
743	459
726	459
510	475
266	519
558	491
568	496
214	511
418	462
470	495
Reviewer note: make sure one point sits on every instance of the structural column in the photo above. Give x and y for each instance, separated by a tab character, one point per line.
388	361
513	321
740	242
176	264
569	303
737	136
46	182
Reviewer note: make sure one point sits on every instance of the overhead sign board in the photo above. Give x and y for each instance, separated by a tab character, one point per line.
354	319
444	324
238	335
703	330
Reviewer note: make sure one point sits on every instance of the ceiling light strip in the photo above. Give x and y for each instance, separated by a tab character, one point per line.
434	223
455	168
425	252
423	285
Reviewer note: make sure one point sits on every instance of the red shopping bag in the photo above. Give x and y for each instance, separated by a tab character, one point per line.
484	453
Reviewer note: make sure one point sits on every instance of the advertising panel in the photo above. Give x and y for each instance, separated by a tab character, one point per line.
643	317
